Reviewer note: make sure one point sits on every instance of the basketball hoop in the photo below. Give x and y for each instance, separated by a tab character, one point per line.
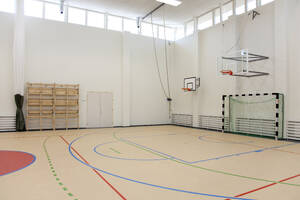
187	89
227	72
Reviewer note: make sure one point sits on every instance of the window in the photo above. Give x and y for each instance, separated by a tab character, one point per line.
264	2
114	23
130	26
147	30
161	33
190	28
179	33
170	34
240	7
95	19
52	12
76	16
7	6
33	8
251	4
217	14
205	21
227	11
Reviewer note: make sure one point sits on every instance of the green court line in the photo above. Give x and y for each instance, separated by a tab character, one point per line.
115	150
203	168
52	170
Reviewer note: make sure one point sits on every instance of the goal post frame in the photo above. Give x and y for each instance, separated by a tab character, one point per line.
277	107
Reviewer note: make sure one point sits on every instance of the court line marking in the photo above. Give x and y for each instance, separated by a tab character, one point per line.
203	168
52	169
84	160
119	158
216	158
114	150
253	145
203	138
266	186
188	162
33	160
140	182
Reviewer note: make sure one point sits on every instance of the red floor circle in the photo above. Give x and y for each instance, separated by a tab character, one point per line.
12	161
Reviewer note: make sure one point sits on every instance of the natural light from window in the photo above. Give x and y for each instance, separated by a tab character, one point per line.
170	34
95	19
227	11
217	13
52	12
33	8
240	7
190	28
179	33
7	6
130	26
251	5
114	23
76	16
147	30
264	2
205	21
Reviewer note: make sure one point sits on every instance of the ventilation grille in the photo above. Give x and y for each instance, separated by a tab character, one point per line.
261	127
182	120
47	124
209	122
293	130
7	123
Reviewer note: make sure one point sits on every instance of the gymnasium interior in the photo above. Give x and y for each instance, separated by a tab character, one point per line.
149	99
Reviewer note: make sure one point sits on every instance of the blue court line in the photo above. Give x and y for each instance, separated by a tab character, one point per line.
34	159
144	183
119	158
210	159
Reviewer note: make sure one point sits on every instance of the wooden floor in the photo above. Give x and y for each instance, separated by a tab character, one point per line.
150	163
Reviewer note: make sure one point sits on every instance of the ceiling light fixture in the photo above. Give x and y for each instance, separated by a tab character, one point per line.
170	2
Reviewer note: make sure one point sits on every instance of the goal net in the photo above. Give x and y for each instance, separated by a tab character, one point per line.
259	114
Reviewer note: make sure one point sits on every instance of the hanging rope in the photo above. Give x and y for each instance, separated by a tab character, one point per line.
166	53
167	91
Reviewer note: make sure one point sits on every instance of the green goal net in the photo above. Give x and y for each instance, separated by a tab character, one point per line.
259	114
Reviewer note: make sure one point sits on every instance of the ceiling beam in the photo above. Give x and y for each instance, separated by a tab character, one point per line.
151	12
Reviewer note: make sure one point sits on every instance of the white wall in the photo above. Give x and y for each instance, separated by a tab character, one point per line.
97	59
148	102
184	67
7	104
274	33
293	52
66	53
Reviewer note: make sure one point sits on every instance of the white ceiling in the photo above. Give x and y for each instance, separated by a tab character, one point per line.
138	8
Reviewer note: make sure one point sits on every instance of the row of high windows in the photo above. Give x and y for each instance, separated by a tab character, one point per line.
51	11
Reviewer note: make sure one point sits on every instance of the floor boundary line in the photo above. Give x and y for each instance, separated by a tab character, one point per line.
52	169
203	168
144	183
108	183
266	186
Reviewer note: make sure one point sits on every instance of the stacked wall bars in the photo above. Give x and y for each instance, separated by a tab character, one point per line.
51	106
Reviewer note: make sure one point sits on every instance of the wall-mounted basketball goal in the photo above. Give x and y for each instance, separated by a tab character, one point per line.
191	84
240	63
254	114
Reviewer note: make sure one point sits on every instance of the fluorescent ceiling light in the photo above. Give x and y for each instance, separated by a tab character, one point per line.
170	2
